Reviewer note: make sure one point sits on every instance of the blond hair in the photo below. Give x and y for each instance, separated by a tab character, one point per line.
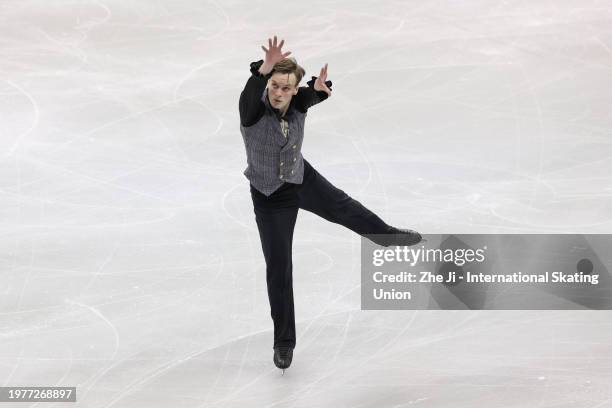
289	66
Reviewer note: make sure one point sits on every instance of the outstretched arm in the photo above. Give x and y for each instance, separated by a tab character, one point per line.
318	90
250	105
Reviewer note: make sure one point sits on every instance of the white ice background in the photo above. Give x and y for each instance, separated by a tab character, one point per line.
130	260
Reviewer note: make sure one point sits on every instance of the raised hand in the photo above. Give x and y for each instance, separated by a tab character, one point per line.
319	84
274	52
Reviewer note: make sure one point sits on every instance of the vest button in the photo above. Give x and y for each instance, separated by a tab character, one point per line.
281	176
291	171
294	146
294	159
283	163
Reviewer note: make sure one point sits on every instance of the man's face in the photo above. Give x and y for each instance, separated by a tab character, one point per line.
281	88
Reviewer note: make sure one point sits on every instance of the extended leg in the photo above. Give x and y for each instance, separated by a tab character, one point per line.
320	197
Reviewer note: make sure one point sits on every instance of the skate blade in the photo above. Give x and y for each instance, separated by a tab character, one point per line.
283	372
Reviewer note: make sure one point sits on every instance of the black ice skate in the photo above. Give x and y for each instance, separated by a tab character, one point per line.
282	357
405	237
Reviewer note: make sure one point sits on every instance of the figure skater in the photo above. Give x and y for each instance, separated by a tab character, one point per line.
273	109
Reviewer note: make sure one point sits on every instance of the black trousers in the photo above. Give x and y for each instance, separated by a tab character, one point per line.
276	215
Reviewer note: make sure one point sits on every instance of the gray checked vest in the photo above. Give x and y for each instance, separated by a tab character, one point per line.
272	157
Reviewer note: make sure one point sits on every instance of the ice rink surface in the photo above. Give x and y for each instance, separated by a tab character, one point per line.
131	262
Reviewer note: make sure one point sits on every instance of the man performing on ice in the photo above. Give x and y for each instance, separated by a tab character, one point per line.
272	113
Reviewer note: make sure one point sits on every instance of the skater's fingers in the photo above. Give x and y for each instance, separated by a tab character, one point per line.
265	49
269	43
286	54
325	89
281	44
274	41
